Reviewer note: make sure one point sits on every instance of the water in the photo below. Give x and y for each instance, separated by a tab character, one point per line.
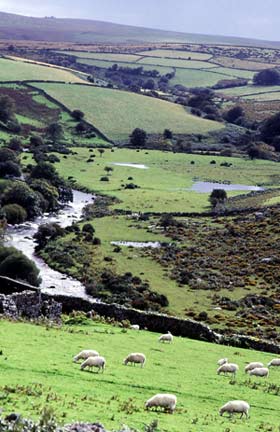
21	237
131	165
137	244
208	187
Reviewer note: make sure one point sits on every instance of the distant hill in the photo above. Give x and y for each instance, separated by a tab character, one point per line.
19	27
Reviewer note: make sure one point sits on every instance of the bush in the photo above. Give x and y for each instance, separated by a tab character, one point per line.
77	115
104	178
18	266
217	196
20	193
10	169
267	77
7	154
88	228
14	213
138	138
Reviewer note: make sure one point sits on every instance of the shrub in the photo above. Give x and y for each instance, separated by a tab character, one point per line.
77	115
18	266
138	138
20	193
104	178
88	228
7	154
267	77
10	169
217	196
14	213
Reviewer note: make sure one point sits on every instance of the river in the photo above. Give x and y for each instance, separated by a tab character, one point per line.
21	237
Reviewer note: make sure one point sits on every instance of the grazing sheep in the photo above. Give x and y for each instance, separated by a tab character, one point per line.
135	327
231	368
83	355
135	358
168	337
98	362
222	361
166	401
274	362
235	407
252	366
260	372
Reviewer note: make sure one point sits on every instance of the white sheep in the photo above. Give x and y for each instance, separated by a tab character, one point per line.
231	368
260	372
135	358
98	362
134	327
83	355
253	365
165	400
235	407
222	361
274	362
168	337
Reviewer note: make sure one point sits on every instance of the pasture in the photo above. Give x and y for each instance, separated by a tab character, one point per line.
116	113
13	70
164	185
180	54
106	64
40	359
177	63
251	91
113	57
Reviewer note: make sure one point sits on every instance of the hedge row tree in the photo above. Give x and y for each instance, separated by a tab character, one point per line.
7	108
267	77
217	197
138	138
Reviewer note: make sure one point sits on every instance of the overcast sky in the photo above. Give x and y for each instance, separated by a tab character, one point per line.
250	18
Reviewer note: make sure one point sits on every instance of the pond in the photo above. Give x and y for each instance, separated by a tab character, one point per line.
131	165
208	187
137	244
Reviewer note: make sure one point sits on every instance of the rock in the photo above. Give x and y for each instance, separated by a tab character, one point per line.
13	417
84	427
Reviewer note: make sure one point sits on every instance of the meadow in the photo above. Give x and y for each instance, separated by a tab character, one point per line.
163	187
12	70
177	63
175	54
116	113
107	64
117	396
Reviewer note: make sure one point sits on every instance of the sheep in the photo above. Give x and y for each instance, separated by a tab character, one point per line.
165	400
134	327
260	372
274	362
83	355
228	368
168	337
222	361
252	366
135	358
96	361
236	406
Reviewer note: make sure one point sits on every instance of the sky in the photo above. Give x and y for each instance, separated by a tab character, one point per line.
258	19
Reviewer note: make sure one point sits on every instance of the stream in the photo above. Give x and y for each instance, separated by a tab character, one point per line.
21	237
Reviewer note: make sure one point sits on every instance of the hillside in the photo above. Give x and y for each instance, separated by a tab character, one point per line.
48	377
18	27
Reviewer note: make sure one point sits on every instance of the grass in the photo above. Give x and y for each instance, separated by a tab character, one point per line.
248	90
270	96
113	57
163	186
197	78
170	53
47	376
242	64
186	64
106	64
116	113
239	73
11	70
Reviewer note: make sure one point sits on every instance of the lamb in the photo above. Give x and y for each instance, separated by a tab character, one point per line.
222	361
274	362
228	368
135	358
168	337
253	365
236	406
97	361
165	401
260	372
83	355
135	327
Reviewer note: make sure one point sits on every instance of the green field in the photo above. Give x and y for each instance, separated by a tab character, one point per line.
46	376
175	54
185	64
255	91
114	57
116	113
164	185
12	70
239	73
266	97
197	78
106	64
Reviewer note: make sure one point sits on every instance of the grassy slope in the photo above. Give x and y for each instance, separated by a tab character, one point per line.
106	64
48	376
114	57
11	70
187	64
116	113
176	54
162	185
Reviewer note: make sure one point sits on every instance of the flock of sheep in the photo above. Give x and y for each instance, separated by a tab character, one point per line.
167	401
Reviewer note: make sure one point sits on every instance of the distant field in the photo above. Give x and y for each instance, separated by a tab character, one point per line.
116	113
255	91
106	64
242	64
102	56
269	96
11	70
197	78
186	64
175	54
234	72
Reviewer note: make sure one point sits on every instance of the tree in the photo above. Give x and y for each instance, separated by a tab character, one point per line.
20	193
138	138
108	169
18	266
149	84
101	151
234	114
48	192
36	141
54	132
253	152
7	154
88	228
47	232
167	134
217	196
270	128
15	144
7	108
267	77
9	169
14	213
77	115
